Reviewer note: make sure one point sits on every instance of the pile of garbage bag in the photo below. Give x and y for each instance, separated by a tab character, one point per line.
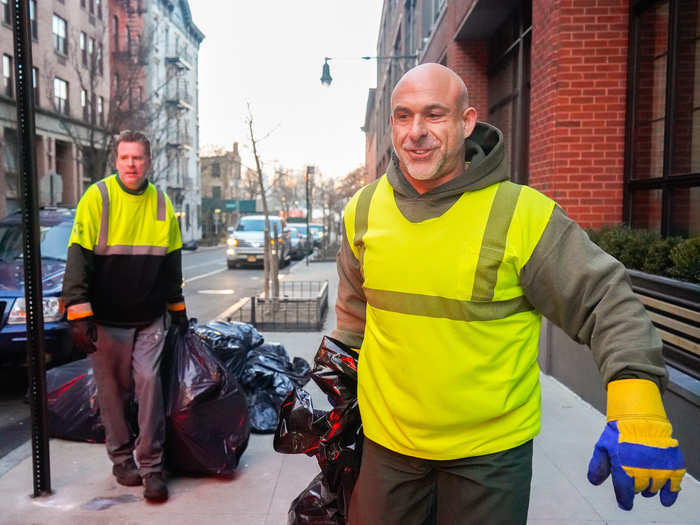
264	370
334	437
220	381
207	422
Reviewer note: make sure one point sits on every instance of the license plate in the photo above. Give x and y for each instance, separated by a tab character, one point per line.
251	258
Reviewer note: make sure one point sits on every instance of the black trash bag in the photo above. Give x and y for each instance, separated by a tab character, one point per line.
263	407
300	427
206	411
230	342
268	377
334	437
316	505
73	411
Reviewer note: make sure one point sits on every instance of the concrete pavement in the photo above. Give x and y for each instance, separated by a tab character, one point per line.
267	482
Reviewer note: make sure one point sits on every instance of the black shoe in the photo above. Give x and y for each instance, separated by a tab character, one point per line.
127	473
155	487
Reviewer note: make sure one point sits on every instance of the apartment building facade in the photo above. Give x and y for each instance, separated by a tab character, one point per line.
70	78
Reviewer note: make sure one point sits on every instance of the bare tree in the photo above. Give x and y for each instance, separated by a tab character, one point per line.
270	258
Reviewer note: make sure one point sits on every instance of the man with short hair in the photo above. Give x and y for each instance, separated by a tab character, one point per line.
445	269
123	271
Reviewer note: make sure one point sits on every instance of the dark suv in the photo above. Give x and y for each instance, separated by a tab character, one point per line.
55	229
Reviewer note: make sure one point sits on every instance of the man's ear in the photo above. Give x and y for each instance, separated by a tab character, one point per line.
469	119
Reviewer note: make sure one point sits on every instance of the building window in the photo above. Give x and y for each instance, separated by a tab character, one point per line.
6	16
32	20
91	52
83	48
100	59
82	4
60	95
101	110
662	168
128	40
509	87
115	32
98	4
84	104
91	3
35	85
7	76
60	30
116	83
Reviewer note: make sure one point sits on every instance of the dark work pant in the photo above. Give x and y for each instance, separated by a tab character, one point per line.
393	489
126	366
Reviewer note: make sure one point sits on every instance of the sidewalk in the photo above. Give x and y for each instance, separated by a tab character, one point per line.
267	482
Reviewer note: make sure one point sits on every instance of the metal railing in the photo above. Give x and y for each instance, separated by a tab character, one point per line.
302	306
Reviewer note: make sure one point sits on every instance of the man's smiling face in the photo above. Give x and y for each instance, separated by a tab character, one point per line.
429	122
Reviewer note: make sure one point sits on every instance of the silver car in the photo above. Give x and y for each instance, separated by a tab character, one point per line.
246	244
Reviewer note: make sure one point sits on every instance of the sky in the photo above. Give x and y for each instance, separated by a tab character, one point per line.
269	53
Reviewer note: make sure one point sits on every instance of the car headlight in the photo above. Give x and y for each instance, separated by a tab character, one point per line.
232	242
53	310
230	251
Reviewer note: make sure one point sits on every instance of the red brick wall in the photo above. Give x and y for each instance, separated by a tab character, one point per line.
577	111
470	60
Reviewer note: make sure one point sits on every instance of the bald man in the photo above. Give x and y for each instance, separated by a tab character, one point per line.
445	270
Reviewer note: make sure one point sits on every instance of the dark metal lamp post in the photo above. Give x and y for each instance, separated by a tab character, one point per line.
326	77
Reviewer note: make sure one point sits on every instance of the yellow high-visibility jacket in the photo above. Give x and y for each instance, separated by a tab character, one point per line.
124	255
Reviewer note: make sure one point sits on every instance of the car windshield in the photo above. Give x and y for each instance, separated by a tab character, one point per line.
255	225
54	241
300	227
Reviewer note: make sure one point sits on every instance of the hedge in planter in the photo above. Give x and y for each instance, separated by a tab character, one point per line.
649	252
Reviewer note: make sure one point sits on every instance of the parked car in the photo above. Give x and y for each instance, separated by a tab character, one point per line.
317	232
246	242
301	228
55	227
299	243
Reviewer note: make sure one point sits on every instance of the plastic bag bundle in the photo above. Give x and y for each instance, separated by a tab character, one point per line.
315	505
206	410
230	342
268	376
334	437
73	412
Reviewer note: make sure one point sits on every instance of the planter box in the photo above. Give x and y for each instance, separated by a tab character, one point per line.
301	307
673	307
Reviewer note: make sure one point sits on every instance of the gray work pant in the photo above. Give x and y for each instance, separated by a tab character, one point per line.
126	365
393	489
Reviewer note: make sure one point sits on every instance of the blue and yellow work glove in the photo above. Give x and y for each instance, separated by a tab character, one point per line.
636	446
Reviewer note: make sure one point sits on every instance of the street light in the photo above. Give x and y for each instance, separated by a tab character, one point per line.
326	77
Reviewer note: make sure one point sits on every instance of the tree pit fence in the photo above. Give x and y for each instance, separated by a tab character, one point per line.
301	307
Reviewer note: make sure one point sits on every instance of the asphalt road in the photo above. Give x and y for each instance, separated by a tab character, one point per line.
210	290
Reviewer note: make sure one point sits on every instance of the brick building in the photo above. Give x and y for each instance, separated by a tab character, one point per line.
221	182
599	100
71	97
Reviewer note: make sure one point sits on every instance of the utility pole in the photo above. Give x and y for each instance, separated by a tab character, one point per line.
309	237
32	250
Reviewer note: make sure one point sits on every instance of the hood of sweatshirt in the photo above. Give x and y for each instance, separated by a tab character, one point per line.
484	165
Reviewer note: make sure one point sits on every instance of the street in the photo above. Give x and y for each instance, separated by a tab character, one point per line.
210	291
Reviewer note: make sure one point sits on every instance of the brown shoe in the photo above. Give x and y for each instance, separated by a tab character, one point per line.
155	488
127	473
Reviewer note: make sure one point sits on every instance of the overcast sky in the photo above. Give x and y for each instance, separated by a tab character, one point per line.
270	53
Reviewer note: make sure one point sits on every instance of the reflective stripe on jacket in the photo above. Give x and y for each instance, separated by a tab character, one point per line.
448	365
